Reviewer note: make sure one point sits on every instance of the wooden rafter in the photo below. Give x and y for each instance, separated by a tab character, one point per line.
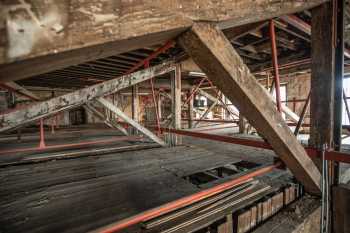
213	53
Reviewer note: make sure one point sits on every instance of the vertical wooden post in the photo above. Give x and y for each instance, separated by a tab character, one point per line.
338	76
190	111
242	124
135	105
176	101
159	106
294	104
326	88
322	76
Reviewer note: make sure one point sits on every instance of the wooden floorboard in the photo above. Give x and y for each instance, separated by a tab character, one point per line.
84	193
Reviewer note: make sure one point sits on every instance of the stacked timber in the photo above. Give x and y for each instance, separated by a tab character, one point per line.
248	218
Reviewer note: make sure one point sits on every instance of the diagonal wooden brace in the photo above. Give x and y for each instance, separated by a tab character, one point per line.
130	121
214	55
21	117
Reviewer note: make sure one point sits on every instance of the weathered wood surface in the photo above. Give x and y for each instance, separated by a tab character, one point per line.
322	76
130	121
214	54
82	194
341	208
176	97
32	113
54	34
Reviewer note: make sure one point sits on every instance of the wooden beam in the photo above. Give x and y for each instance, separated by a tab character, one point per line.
341	206
135	104
190	110
94	111
176	100
214	54
12	86
47	108
322	76
99	29
237	32
131	122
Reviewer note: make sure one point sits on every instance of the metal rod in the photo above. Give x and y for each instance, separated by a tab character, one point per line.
153	55
195	90
330	155
155	103
66	146
275	64
185	201
302	115
42	135
346	105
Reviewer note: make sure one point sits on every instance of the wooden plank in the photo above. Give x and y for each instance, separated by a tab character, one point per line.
123	116
74	99
214	54
98	29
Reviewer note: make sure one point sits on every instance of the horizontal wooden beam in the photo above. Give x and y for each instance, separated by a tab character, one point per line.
40	38
20	117
214	54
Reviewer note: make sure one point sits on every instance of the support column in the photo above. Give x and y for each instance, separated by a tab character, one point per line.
323	82
322	76
214	55
159	106
176	101
326	97
242	124
190	111
135	105
338	76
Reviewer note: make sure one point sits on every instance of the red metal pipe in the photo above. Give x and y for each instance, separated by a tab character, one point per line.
220	100
72	145
155	106
42	135
207	120
346	105
195	90
330	155
185	201
275	65
302	115
153	55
